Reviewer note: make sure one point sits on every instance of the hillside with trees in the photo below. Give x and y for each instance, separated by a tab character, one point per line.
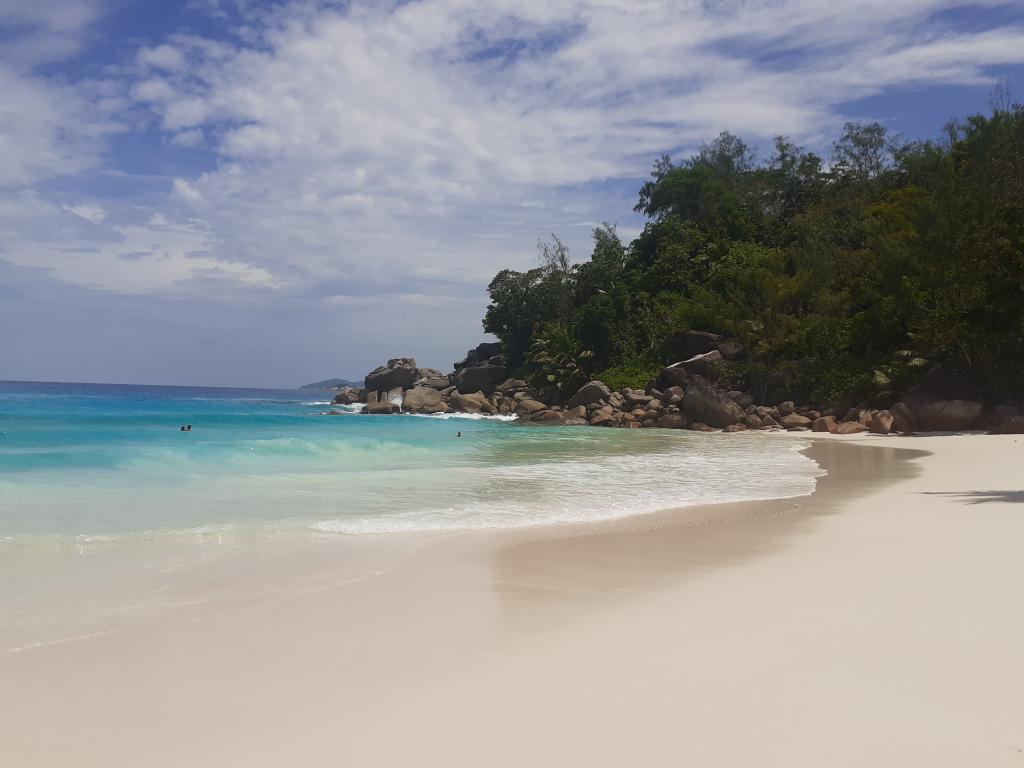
836	281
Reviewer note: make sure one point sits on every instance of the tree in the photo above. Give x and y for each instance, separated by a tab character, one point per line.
863	152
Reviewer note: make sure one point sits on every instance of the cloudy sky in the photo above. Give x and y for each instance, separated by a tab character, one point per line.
234	192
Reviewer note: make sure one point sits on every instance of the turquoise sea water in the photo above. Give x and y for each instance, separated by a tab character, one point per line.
108	510
85	460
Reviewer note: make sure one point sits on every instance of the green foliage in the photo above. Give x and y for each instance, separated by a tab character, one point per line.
635	374
826	277
558	360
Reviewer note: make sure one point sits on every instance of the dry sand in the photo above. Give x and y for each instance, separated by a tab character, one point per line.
877	622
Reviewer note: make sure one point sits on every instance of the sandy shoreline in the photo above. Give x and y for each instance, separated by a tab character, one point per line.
875	622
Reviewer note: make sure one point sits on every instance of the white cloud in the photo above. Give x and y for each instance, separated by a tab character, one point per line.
88	211
49	129
396	300
374	139
419	147
155	255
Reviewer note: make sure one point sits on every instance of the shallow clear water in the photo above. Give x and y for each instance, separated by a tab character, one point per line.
101	460
103	500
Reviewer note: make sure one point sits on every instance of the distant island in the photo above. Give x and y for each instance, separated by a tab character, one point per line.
333	384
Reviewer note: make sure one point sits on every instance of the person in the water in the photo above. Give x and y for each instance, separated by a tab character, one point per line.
459	435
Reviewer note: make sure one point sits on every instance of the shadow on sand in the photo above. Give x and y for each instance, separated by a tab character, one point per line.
982	497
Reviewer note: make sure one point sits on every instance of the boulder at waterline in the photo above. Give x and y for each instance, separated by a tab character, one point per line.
705	404
400	372
672	421
944	400
824	424
795	421
468	403
421	400
382	408
591	392
881	423
350	396
849	428
529	406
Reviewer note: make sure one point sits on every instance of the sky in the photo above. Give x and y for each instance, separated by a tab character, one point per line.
244	193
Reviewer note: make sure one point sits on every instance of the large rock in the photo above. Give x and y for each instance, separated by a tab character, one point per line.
350	396
422	400
400	372
526	406
881	423
692	343
430	373
795	421
672	376
480	378
1011	425
591	392
705	404
634	397
944	400
824	424
511	386
672	421
546	416
849	428
433	382
699	364
469	403
382	408
480	354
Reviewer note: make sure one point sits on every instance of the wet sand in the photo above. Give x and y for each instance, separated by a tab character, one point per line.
876	622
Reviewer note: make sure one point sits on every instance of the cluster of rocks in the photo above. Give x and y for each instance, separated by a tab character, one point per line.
681	397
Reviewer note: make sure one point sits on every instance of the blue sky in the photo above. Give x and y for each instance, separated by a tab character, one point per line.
232	192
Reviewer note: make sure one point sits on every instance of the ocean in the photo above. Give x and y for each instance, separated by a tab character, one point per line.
105	503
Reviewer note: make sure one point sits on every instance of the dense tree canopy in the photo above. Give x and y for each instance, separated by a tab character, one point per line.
839	281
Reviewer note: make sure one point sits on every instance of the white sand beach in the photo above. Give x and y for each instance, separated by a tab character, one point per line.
877	622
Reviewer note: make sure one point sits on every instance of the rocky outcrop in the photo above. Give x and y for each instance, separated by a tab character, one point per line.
795	421
591	392
824	424
422	400
678	398
944	400
849	428
881	423
700	364
350	396
430	373
1012	425
691	343
482	353
672	376
527	406
399	373
382	408
438	383
480	378
472	402
705	404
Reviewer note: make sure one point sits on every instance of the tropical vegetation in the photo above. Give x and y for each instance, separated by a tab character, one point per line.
839	280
